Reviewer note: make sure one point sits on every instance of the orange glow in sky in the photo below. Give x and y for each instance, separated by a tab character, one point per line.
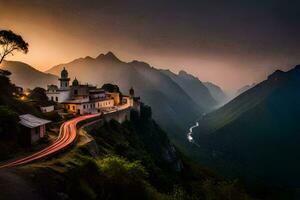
56	36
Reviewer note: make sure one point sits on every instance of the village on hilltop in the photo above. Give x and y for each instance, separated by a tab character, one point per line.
84	98
78	99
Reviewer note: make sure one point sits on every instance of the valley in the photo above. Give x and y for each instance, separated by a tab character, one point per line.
149	100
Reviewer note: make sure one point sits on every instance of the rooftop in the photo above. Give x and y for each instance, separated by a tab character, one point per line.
32	121
85	101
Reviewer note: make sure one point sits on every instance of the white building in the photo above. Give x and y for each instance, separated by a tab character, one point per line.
46	109
63	93
81	99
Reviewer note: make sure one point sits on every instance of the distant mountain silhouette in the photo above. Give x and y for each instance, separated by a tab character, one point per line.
194	88
109	56
26	76
216	92
172	107
256	135
244	89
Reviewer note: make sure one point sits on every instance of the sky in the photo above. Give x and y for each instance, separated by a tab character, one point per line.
230	43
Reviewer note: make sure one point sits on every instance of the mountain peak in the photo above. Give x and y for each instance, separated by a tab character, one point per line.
297	68
182	73
108	56
140	64
277	74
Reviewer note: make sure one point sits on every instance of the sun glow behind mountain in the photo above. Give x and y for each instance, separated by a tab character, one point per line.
175	36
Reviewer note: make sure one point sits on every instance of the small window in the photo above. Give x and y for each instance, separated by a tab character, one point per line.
75	92
73	107
56	98
83	106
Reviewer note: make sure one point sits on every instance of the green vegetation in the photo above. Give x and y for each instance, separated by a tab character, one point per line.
133	160
9	129
6	89
255	137
110	87
10	42
11	106
39	95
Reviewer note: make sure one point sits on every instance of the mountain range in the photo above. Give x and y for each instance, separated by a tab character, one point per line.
256	135
176	99
217	93
194	88
253	137
244	89
26	76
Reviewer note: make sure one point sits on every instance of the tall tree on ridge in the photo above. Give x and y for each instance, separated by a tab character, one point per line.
10	42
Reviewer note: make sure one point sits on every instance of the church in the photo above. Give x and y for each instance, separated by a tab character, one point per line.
81	99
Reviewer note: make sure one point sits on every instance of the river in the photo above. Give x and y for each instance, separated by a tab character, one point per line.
190	133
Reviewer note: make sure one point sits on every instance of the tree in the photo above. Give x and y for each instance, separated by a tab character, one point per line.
146	112
38	94
9	126
110	87
6	89
10	42
4	72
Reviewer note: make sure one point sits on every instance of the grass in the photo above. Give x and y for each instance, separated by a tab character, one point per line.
127	167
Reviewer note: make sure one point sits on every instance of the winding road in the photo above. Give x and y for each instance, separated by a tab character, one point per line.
67	136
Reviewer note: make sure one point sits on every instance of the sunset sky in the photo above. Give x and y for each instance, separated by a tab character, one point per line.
231	43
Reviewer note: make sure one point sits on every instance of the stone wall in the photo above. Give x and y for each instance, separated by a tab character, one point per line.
120	116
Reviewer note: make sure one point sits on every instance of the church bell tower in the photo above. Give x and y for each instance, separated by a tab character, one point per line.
64	79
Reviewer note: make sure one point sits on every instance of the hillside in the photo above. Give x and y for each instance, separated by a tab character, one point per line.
256	135
173	108
216	92
11	106
133	160
194	88
109	160
244	89
26	76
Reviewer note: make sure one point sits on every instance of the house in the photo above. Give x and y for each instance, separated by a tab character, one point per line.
46	109
32	129
81	98
116	97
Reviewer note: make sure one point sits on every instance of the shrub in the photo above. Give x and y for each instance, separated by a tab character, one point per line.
9	126
123	179
6	89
